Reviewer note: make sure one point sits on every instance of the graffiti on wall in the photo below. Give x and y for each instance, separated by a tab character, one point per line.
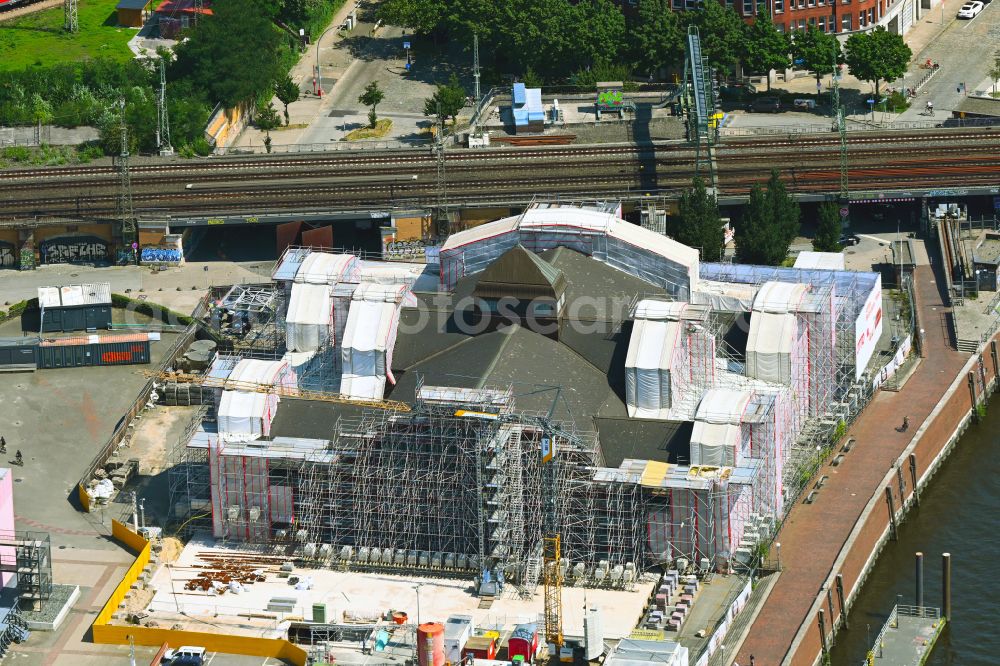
74	249
8	255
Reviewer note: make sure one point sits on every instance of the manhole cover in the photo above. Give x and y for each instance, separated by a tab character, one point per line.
16	423
18	480
74	275
62	547
848	251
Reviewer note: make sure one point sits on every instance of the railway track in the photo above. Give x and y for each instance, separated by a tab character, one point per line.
808	164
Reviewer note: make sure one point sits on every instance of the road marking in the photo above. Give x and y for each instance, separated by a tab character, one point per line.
209	662
874	238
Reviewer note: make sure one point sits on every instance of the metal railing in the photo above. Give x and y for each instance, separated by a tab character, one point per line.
918	611
855	126
330	146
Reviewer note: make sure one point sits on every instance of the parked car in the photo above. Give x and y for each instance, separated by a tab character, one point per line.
804	104
186	655
850	239
765	105
736	91
970	10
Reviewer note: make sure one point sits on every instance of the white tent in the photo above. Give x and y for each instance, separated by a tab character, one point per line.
657	336
716	436
264	373
309	316
830	261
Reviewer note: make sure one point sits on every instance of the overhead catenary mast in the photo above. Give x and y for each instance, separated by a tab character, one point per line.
162	115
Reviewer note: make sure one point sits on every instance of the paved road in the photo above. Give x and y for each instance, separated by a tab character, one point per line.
965	51
813	535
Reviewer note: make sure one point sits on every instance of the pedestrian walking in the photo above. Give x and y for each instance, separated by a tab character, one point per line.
906	423
19	459
3	445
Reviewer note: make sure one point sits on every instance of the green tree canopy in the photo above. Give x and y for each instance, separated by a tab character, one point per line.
232	54
828	228
422	16
266	116
698	224
287	92
656	36
769	223
877	55
764	48
447	100
721	31
818	51
371	96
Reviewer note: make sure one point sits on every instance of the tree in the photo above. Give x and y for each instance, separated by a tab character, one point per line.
784	209
423	16
698	223
372	96
818	51
828	228
995	71
721	31
769	224
877	55
232	53
764	48
287	92
447	100
656	36
267	117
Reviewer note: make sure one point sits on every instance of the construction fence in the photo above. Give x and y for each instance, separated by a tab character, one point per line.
105	633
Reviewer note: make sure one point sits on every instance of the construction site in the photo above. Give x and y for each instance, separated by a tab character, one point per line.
567	411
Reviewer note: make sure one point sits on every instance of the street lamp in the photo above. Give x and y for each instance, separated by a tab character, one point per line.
318	83
777	547
416	588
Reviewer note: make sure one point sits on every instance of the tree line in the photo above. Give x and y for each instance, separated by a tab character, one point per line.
559	40
767	225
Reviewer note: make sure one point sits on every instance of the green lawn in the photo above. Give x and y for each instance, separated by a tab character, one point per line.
39	37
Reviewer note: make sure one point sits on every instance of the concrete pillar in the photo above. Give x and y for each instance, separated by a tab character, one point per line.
840	598
913	478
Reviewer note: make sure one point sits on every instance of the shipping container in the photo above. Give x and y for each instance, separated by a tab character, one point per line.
480	647
79	307
18	354
94	350
523	642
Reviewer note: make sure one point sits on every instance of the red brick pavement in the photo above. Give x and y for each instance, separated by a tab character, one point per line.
814	534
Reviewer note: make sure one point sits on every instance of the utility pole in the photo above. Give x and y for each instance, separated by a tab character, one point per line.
475	63
126	215
71	22
199	7
841	122
162	117
443	225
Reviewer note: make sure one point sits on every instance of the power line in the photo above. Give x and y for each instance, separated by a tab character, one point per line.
162	116
71	22
475	62
126	214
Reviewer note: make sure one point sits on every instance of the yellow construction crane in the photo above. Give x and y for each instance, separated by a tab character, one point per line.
283	391
552	576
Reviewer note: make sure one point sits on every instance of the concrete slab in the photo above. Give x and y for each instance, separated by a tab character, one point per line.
908	642
371	594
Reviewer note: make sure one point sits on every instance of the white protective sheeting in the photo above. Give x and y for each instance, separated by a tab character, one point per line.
659	244
659	310
309	316
326	268
725	296
243	415
770	346
779	297
481	233
647	367
715	438
262	373
369	337
829	261
48	297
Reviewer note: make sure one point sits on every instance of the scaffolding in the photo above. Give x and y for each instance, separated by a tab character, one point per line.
250	317
28	555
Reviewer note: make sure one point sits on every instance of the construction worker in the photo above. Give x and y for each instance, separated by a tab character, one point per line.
3	445
18	458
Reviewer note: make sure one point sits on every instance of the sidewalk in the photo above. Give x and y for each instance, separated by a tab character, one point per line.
813	535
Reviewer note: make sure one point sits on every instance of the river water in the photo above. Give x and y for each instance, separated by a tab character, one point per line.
960	514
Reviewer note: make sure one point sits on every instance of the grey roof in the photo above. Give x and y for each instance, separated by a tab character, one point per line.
663	441
590	278
310	419
132	4
978	106
541	371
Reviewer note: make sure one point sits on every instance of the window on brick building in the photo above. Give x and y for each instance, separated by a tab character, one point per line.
822	23
748	7
845	23
871	16
779	7
802	24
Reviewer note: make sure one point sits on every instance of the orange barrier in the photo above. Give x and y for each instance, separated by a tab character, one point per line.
109	634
